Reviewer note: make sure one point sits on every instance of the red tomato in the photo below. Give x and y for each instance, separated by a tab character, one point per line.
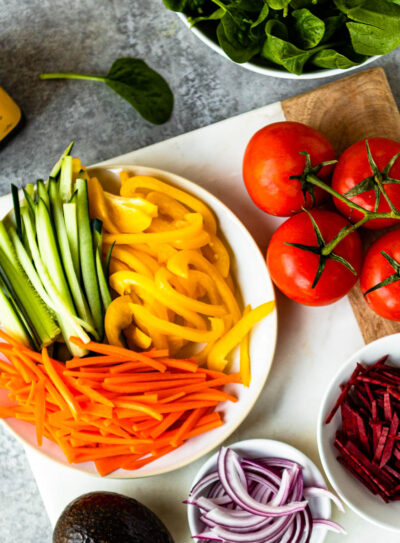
272	156
385	300
353	167
293	269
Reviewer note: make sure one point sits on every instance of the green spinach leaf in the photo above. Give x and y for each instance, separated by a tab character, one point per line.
141	86
329	58
310	29
238	44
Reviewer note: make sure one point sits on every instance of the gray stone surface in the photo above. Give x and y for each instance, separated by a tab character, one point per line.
86	36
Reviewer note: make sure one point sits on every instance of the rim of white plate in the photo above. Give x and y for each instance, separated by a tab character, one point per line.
203	194
272	72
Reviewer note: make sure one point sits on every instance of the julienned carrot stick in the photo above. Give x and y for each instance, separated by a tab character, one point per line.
59	383
115	411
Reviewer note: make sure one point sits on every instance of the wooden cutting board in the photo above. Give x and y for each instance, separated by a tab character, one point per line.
356	107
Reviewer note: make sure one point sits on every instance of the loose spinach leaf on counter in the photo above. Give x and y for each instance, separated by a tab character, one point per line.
141	86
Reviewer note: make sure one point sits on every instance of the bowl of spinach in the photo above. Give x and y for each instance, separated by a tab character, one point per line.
295	38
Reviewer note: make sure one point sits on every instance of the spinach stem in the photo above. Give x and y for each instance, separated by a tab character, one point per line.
72	76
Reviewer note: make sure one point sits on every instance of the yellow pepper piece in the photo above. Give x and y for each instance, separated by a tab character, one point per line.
194	224
179	264
162	281
118	316
130	260
218	255
135	338
194	243
123	176
117	265
185	332
98	206
245	372
153	184
123	282
167	206
217	356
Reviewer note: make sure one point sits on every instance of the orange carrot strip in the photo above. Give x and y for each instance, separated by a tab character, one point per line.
232	378
22	370
85	375
32	393
204	428
145	425
10	340
137	464
149	387
165	424
184	406
29	363
39	410
98	410
89	392
127	366
109	440
173	398
106	466
186	365
136	406
8	368
59	384
147	377
187	426
146	398
93	361
211	394
6	412
115	350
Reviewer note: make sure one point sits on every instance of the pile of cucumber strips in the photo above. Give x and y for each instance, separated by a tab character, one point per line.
53	284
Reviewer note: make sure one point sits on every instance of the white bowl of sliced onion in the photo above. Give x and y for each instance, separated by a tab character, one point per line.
260	490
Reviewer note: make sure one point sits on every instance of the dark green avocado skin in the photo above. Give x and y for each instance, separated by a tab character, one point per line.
107	517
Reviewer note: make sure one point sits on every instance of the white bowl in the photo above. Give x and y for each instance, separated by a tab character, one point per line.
252	277
273	72
353	493
258	448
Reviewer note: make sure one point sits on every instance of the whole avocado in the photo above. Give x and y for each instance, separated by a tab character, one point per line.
107	517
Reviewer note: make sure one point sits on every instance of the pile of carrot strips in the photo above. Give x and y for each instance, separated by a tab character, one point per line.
117	408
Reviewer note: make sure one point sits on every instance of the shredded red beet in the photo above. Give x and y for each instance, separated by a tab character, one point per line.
369	436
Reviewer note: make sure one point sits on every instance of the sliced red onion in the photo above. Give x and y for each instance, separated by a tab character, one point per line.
318	492
329	524
257	501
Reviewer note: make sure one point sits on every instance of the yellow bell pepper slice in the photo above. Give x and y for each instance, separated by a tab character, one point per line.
167	206
218	255
162	281
130	260
194	243
118	316
97	205
117	265
194	224
185	332
179	264
123	282
217	356
143	181
135	338
245	371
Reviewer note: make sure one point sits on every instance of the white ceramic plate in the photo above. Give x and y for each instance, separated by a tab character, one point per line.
368	506
257	448
252	277
273	72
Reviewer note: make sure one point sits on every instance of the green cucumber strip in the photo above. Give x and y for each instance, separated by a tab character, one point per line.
10	320
28	300
30	189
57	166
50	254
29	268
104	290
66	179
5	242
97	227
107	262
42	192
29	199
71	223
73	282
70	327
17	210
86	254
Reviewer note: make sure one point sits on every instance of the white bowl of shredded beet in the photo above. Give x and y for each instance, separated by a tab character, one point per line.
260	490
359	432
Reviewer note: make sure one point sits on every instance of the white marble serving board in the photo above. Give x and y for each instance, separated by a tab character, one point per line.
312	342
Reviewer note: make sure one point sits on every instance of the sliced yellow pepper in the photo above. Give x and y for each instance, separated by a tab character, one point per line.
217	356
185	332
194	224
167	206
245	371
117	265
179	264
162	281
143	181
122	282
118	316
131	261
135	338
98	206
